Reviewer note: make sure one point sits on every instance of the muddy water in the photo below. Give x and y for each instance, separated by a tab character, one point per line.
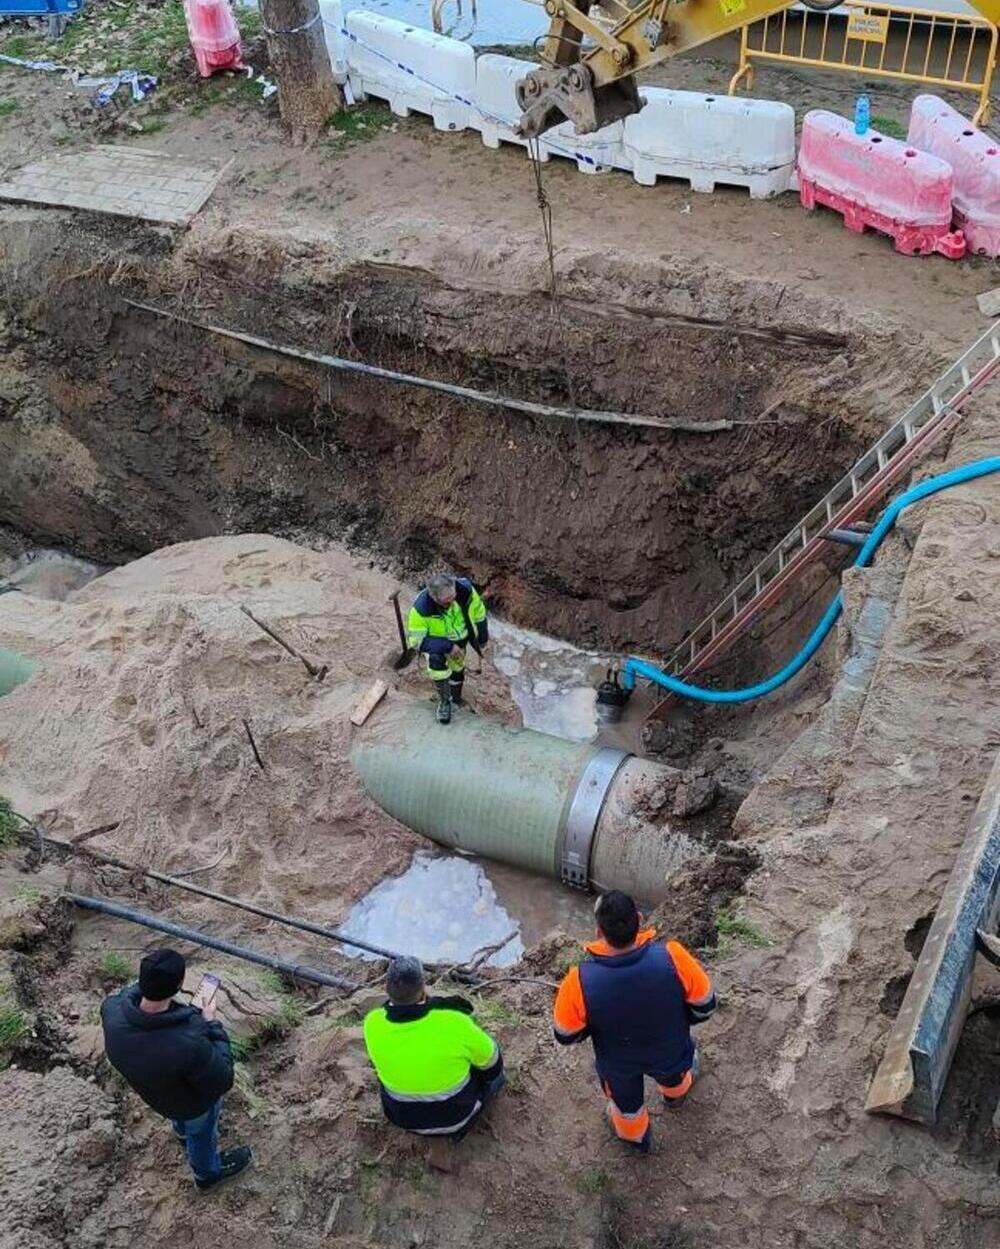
448	909
46	573
552	682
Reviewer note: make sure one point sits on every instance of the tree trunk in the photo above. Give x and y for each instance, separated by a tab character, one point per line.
307	94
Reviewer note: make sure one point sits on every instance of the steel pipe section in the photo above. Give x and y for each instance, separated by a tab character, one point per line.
562	809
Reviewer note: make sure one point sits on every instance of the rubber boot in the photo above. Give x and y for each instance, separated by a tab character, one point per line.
455	684
444	703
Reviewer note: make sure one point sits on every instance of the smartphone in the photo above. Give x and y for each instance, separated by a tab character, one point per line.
205	991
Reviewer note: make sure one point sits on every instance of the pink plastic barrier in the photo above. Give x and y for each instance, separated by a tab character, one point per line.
975	161
878	183
215	38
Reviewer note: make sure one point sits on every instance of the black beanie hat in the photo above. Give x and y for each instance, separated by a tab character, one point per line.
161	974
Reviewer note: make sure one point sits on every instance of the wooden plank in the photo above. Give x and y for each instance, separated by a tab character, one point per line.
367	705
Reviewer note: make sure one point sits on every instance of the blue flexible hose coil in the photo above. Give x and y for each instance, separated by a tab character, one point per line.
633	667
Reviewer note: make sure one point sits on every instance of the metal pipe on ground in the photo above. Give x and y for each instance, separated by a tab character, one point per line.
559	808
295	971
291	921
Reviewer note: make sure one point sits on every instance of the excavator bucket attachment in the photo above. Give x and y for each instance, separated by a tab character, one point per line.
550	96
922	1043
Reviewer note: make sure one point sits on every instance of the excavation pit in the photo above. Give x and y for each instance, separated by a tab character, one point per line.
140	431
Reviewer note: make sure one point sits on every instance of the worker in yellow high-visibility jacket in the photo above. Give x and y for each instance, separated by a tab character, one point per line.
447	617
437	1068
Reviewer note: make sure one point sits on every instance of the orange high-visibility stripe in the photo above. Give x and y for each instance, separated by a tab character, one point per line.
603	950
677	1090
629	1127
693	977
569	1014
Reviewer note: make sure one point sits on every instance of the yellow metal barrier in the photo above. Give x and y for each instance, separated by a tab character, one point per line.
879	41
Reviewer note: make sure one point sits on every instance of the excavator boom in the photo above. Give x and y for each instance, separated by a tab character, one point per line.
592	83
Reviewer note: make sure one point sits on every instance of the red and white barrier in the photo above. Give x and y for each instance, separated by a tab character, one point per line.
878	183
974	157
215	38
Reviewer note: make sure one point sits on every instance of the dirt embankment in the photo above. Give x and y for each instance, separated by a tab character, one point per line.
137	716
123	432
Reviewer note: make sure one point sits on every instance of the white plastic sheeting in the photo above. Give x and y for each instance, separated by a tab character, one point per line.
711	139
414	70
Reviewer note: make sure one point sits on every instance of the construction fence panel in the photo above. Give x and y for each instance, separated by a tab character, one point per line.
890	41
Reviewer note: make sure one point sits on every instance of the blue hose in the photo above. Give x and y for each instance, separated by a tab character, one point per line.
638	667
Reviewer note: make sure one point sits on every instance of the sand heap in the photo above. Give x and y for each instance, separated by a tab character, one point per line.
152	682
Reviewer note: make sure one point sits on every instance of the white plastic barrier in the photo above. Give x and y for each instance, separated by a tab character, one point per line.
332	16
710	139
415	70
499	110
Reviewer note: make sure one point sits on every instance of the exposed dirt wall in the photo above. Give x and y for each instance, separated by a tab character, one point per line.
125	432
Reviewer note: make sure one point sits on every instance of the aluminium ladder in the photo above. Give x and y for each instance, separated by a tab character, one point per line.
882	465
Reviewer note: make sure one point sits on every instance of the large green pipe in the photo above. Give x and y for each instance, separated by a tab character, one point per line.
15	669
559	808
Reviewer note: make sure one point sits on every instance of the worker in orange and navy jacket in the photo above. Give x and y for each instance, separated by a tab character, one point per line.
636	998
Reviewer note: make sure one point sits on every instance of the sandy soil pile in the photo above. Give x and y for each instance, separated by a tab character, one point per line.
55	1164
138	716
153	682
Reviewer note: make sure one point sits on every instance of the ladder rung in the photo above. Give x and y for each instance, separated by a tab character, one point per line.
972	369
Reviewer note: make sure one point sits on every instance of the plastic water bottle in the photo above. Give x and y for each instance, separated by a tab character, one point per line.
862	115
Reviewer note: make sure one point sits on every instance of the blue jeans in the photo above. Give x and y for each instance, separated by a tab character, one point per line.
201	1142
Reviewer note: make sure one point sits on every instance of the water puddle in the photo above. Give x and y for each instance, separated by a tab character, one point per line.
552	683
443	909
447	909
46	573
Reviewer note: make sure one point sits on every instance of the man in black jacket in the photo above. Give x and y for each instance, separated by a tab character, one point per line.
177	1058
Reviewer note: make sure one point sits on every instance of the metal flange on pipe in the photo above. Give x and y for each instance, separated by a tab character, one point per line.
569	810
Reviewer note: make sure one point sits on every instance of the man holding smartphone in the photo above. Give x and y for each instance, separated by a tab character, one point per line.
177	1058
